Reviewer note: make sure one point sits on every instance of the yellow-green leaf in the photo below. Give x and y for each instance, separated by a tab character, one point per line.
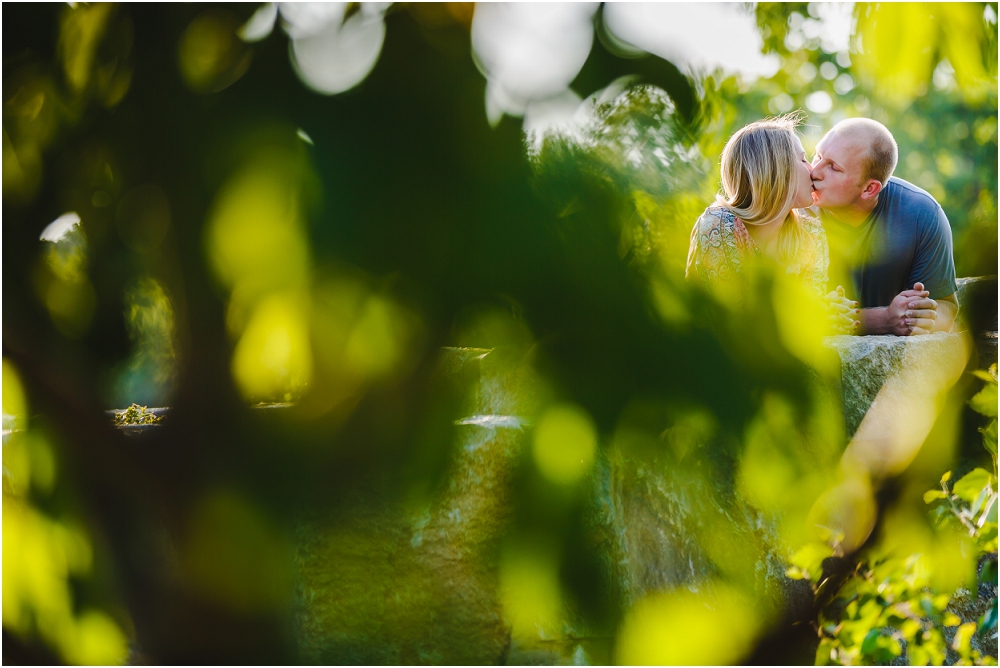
933	495
971	484
985	401
962	637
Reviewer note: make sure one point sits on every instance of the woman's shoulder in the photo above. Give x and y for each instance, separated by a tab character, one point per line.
714	217
811	223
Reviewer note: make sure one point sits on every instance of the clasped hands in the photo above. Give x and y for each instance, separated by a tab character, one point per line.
845	316
910	313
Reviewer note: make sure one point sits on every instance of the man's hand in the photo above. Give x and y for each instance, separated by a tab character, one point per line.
911	312
920	311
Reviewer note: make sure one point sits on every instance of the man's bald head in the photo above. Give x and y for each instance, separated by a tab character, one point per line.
882	153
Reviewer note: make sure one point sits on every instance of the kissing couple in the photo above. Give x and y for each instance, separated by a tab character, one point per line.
840	216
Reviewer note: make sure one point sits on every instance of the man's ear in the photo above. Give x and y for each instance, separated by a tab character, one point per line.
871	189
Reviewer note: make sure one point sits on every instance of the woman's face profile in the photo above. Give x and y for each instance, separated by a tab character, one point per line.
801	178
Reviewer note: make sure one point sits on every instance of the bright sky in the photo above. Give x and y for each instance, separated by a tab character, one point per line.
695	37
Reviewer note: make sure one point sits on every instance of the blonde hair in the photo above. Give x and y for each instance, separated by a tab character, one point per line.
881	154
758	166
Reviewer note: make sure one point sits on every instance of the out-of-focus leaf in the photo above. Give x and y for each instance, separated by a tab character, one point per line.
917	655
796	573
880	648
990	437
985	401
977	505
971	484
951	619
932	495
868	646
809	559
989	572
962	638
988	620
988	376
894	57
964	45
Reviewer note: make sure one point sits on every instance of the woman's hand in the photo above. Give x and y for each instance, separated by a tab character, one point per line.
845	316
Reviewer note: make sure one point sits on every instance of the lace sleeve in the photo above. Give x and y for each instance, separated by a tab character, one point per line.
708	259
816	273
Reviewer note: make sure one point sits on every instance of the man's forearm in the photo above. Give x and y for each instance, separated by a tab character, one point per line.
879	320
875	321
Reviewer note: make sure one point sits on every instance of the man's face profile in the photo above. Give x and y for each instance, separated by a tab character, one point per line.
836	175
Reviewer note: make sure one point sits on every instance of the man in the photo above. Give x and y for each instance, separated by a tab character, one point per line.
888	238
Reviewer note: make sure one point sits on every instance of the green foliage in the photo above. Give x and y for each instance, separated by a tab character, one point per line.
155	125
136	414
985	402
892	605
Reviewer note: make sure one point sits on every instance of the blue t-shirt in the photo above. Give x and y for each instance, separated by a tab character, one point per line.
906	239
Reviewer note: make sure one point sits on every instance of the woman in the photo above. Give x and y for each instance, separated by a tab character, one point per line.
766	184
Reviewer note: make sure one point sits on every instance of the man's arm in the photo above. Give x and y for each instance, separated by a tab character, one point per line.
912	312
892	319
928	316
947	310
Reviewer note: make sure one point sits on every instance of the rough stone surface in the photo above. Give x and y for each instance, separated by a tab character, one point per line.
867	362
380	584
660	517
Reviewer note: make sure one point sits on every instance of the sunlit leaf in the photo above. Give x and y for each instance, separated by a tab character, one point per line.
933	495
810	558
273	358
971	484
81	30
565	443
681	628
97	640
985	401
210	55
964	44
990	437
963	636
530	590
894	57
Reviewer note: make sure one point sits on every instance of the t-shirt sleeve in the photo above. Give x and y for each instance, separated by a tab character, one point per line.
933	262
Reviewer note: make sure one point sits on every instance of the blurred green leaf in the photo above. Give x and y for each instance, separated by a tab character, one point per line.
985	401
933	495
990	437
963	636
989	572
988	620
971	484
809	559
